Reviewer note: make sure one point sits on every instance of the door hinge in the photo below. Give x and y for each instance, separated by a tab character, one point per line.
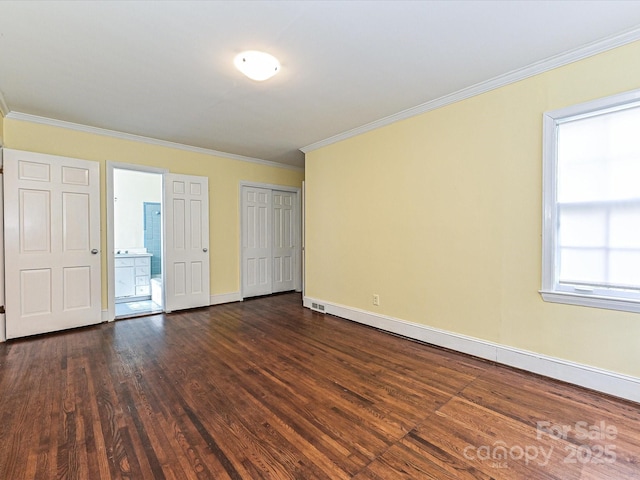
1	309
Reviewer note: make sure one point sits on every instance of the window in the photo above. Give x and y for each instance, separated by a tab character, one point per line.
591	229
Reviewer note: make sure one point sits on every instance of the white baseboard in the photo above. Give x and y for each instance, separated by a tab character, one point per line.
612	383
225	298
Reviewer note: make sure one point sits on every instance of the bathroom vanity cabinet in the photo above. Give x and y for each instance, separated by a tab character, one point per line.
132	276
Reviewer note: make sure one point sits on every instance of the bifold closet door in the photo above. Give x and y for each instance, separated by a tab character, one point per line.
256	241
269	233
284	241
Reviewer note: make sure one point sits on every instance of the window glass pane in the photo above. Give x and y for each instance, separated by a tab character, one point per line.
582	227
580	181
624	226
598	198
624	177
582	265
591	236
624	268
599	157
623	133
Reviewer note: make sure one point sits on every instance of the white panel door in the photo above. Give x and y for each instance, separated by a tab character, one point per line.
284	241
186	203
256	241
303	233
52	243
3	336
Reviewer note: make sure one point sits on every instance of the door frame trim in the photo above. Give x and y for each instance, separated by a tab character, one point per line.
110	167
298	230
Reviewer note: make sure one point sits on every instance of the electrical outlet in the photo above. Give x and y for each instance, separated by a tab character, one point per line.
376	299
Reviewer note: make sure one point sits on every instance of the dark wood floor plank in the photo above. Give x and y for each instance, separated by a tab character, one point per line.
528	452
267	389
518	395
253	404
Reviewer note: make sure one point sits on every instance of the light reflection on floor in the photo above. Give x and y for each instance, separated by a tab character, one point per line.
133	309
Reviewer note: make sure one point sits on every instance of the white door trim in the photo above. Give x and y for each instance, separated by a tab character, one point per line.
111	166
298	230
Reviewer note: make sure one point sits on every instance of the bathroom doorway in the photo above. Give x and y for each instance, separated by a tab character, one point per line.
137	268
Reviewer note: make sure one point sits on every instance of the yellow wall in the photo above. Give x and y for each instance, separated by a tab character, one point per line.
440	215
1	129
224	177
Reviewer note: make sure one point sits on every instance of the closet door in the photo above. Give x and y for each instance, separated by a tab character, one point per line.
256	241
284	241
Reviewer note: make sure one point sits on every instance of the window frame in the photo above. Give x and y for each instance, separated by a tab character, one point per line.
552	290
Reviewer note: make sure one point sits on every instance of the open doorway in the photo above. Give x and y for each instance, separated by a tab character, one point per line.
137	242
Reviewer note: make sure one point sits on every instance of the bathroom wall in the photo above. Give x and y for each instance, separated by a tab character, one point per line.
153	235
131	190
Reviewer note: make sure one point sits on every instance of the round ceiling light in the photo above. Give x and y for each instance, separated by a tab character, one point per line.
257	65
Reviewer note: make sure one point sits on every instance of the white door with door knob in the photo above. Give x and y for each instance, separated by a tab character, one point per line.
186	203
52	243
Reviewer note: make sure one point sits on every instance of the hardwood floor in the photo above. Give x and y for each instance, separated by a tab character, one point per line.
267	389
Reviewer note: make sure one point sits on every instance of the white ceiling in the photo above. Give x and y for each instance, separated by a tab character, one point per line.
164	69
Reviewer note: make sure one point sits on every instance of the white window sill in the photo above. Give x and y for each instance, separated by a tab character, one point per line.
609	303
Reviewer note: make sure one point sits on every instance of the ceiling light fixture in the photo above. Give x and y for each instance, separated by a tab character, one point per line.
256	65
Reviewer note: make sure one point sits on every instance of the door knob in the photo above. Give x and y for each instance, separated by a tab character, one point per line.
94	251
205	250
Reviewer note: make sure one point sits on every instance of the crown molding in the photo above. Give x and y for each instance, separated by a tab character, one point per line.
26	117
588	50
